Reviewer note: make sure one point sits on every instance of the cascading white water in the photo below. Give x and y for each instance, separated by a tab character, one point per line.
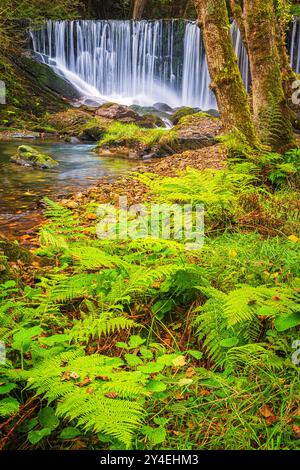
139	62
125	61
294	46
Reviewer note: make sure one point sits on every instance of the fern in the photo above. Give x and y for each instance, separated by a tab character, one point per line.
110	401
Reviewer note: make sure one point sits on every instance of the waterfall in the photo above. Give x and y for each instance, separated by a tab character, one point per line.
294	46
138	62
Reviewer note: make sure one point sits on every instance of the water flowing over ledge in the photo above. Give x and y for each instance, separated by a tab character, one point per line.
138	62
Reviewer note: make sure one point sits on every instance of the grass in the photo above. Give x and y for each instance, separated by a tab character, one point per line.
130	134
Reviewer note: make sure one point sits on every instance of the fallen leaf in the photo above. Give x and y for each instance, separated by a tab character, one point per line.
296	430
102	377
90	390
112	395
266	411
179	361
66	375
86	381
293	238
91	216
190	372
204	392
74	375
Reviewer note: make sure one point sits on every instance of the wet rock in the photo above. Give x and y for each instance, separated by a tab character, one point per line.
117	112
24	135
150	121
163	107
213	113
46	78
29	156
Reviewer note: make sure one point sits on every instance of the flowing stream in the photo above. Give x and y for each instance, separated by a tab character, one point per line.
23	188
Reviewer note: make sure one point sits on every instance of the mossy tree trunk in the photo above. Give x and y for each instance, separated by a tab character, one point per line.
138	9
287	73
270	110
226	79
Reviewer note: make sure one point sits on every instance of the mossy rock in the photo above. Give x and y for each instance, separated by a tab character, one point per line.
29	156
94	129
70	122
46	78
181	112
150	121
11	250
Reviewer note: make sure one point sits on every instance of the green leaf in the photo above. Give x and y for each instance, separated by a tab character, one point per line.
167	359
151	368
121	344
156	386
229	342
155	435
47	418
7	388
55	339
285	322
135	341
196	354
133	360
161	421
8	406
146	353
36	436
69	433
23	338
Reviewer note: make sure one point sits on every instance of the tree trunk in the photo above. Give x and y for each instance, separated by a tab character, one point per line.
271	113
138	9
288	75
227	82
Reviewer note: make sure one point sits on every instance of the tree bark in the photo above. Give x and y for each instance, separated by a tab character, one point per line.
288	75
227	82
270	110
138	9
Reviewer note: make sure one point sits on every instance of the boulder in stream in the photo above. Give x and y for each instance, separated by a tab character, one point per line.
29	156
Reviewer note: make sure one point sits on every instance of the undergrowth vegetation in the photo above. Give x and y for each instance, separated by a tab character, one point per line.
144	344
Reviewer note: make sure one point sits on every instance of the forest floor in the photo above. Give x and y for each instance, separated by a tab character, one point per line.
142	343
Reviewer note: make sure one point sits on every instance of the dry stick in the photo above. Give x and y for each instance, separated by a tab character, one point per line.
27	413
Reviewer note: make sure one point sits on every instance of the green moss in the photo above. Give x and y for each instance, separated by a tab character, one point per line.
180	113
95	128
130	134
29	156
